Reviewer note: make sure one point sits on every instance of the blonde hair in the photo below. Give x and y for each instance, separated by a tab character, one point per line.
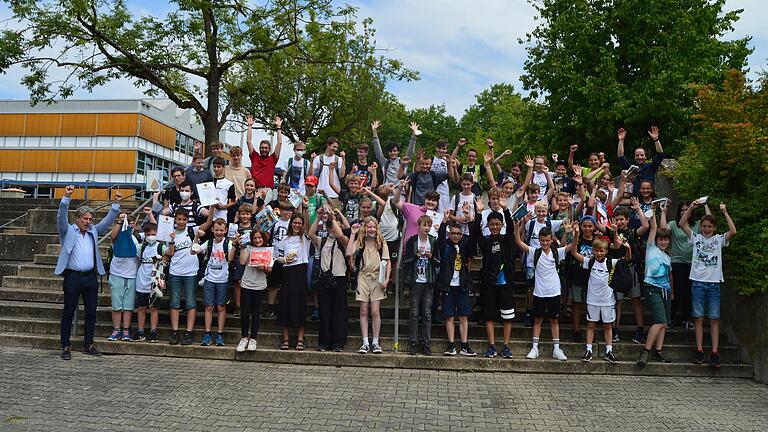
541	204
360	240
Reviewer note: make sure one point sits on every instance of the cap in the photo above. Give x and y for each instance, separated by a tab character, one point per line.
311	180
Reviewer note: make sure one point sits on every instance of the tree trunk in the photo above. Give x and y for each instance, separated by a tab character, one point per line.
211	122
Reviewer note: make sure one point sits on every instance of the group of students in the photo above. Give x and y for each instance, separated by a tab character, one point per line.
343	225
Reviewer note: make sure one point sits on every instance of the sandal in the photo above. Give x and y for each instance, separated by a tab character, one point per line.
285	346
299	345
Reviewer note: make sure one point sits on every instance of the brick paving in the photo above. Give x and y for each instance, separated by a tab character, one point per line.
41	392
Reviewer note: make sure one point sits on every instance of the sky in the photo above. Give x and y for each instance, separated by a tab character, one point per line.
458	47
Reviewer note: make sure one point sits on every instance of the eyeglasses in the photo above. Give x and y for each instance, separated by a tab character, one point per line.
457	233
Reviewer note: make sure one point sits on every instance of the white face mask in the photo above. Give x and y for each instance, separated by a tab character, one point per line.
298	153
185	195
151	239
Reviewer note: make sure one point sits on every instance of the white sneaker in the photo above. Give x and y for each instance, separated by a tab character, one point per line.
533	353
251	344
242	345
559	354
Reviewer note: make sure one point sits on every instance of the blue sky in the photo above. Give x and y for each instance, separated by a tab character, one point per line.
459	47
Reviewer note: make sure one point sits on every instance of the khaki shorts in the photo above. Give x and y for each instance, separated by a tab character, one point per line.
368	291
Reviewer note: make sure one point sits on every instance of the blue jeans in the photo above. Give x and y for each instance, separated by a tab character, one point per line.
705	300
188	284
75	286
215	293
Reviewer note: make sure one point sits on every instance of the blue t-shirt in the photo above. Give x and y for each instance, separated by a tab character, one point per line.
501	279
658	265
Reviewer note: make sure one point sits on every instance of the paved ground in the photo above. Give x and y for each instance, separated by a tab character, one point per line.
40	392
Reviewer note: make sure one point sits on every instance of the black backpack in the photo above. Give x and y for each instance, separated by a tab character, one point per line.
619	276
533	224
225	247
555	255
359	258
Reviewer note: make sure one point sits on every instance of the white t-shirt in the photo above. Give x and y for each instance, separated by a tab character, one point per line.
439	165
540	179
459	211
295	168
484	222
126	267
253	278
422	262
598	291
707	263
144	274
323	178
217	270
389	223
546	279
298	245
456	277
222	194
279	231
537	226
183	263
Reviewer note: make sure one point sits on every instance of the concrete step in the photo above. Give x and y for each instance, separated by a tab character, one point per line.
273	337
45	259
28	309
388	360
55	249
23	247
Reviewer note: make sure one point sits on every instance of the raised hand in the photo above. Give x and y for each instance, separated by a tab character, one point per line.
488	158
278	122
446	215
118	197
574	147
197	144
249	120
313	156
414	127
147	210
554	157
479	204
343	154
621	133
405	160
461	142
489	143
528	161
121	217
723	207
654	133
355	228
333	164
419	154
375	125
503	202
373	167
69	190
635	203
305	202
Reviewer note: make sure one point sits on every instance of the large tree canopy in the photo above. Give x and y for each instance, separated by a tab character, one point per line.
604	64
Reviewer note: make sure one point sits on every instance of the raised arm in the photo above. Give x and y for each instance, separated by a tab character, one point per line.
313	229
643	220
731	226
487	159
374	196
332	173
377	144
519	227
279	132
653	228
397	194
663	218
373	170
117	227
686	217
620	193
459	145
620	149
404	161
572	152
106	223
249	134
62	216
575	251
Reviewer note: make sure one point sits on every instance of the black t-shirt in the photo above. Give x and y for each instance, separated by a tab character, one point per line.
479	173
568	184
351	205
172	196
362	171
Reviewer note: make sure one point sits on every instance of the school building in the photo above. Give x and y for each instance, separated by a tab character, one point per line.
93	144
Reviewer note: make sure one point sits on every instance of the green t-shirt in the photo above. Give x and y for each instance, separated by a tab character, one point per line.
314	203
680	249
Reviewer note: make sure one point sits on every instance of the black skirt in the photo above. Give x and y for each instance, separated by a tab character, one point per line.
292	309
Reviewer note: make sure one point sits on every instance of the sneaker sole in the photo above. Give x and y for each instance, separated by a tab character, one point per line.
611	361
469	355
449	354
586	361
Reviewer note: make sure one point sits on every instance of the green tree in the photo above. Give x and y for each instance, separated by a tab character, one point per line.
331	80
726	158
191	55
604	64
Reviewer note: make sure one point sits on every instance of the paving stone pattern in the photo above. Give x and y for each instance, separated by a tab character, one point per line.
42	392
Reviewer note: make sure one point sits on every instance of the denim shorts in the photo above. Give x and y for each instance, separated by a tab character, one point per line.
178	283
214	293
456	303
123	292
705	300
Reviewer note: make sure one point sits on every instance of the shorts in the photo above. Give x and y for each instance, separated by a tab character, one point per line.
175	286
705	300
214	293
123	292
546	307
495	301
370	291
394	250
142	300
637	288
455	303
606	314
576	293
659	302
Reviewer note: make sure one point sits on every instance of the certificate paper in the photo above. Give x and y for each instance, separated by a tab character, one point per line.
165	228
207	194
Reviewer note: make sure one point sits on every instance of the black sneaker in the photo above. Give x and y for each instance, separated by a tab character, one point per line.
587	357
700	357
66	353
642	360
639	337
451	351
467	351
528	320
427	350
188	338
174	339
153	337
91	351
616	337
139	336
610	358
412	348
659	357
714	360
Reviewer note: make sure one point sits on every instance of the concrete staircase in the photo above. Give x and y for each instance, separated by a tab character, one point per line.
31	301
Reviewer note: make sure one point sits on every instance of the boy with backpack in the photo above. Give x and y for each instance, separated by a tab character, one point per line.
420	261
329	170
219	252
496	295
464	200
532	228
422	181
599	297
122	277
151	275
350	198
544	259
296	169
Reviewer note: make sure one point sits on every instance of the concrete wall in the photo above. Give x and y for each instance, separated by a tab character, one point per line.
745	319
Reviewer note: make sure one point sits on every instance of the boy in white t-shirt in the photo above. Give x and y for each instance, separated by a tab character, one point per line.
219	252
546	289
464	200
706	276
150	273
532	227
122	278
601	303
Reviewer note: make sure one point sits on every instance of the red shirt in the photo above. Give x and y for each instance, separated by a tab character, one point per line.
263	169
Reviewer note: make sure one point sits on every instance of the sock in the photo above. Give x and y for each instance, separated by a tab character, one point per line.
555	343
375	341
365	341
608	348
589	347
535	342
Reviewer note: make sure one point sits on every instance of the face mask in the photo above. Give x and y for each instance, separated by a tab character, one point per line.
298	153
370	237
185	195
151	239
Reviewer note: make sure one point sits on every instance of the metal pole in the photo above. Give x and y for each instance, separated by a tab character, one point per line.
397	295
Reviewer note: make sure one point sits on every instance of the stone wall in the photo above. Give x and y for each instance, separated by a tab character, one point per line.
745	319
